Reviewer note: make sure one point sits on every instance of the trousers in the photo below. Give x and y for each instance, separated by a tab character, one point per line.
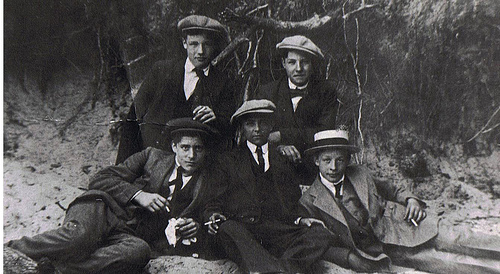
90	240
453	250
271	246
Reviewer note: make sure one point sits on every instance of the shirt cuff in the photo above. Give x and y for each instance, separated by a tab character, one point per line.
135	195
297	221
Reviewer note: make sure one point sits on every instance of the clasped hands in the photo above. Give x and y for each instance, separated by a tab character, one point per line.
154	202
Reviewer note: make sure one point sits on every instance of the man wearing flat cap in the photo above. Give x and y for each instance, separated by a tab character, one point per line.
254	217
374	221
189	87
154	198
305	103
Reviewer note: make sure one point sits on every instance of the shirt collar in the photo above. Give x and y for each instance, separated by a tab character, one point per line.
294	86
253	147
189	67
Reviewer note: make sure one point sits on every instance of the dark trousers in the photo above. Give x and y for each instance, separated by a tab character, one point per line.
91	240
271	246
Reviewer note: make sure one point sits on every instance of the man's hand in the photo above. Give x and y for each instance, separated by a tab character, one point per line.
215	220
153	202
203	114
290	152
414	211
187	228
310	222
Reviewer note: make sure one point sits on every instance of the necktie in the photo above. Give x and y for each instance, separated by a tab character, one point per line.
260	158
178	184
297	92
200	73
337	190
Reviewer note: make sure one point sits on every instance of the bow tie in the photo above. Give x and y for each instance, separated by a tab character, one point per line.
298	92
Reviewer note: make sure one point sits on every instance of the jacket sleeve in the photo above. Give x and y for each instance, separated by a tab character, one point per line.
394	192
327	116
219	185
119	181
130	137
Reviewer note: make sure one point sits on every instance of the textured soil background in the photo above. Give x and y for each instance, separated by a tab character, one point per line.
44	170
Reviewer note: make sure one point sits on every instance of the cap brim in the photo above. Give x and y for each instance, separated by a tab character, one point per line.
280	47
351	149
259	111
202	28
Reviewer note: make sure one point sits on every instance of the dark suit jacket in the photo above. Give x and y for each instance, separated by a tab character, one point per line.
316	111
147	171
384	202
161	98
239	199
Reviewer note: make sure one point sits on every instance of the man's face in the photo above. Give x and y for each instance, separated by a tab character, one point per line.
257	129
190	153
332	164
200	49
298	66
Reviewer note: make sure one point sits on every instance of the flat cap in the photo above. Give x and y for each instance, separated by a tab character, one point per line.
261	106
188	125
200	22
302	43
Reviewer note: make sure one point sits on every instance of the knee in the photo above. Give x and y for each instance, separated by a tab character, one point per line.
137	254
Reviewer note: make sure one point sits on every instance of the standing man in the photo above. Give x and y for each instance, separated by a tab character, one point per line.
376	221
305	104
189	87
109	229
254	219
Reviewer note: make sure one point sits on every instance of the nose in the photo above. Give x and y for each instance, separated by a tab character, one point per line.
299	66
333	166
201	49
191	153
257	126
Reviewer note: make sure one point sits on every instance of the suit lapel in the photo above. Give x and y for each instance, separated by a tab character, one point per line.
244	162
360	186
324	201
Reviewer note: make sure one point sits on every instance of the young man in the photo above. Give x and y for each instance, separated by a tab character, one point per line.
190	87
254	217
376	222
109	229
305	104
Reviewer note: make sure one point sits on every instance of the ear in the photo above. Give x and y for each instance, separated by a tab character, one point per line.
316	160
283	62
174	147
184	43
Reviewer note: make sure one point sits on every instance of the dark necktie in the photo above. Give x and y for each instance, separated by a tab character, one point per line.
297	92
178	184
200	73
260	158
337	190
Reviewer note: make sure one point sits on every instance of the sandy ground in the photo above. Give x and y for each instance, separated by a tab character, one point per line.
44	171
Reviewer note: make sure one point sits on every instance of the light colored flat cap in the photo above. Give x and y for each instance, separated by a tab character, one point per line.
200	22
262	106
302	43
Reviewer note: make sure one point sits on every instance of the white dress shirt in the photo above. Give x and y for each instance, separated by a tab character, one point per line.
296	99
331	186
265	154
191	78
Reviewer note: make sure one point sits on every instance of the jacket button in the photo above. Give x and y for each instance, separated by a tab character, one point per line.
252	219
